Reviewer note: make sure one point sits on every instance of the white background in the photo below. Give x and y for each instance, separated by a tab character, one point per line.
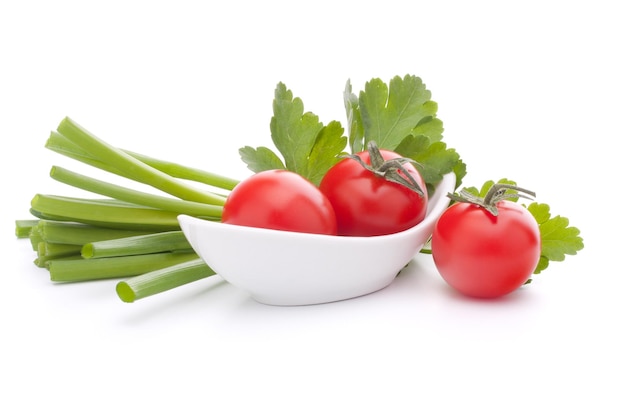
533	91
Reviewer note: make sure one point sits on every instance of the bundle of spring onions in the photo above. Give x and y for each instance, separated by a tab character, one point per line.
126	234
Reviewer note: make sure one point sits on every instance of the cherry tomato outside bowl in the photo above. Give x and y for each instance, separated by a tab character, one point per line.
482	255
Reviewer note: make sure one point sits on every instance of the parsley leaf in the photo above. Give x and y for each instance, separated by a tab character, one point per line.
388	114
399	117
355	123
434	159
402	117
307	146
488	184
558	238
328	145
260	159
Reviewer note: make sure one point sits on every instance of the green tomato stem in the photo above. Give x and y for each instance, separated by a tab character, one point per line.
390	169
496	193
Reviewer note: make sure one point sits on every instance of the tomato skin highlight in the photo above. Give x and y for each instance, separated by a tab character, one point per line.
368	205
482	255
280	200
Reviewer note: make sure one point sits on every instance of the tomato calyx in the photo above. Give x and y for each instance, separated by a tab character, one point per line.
496	193
392	169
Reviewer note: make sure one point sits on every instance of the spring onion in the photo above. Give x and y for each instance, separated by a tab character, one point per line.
124	233
174	241
162	280
74	270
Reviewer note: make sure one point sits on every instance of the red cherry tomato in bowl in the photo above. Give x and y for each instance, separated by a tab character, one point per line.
281	200
368	204
485	255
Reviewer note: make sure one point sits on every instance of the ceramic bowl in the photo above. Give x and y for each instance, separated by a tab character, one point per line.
290	268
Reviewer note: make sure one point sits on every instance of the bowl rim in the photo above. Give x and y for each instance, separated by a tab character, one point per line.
448	182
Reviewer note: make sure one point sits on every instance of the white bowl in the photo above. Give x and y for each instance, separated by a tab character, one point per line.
290	268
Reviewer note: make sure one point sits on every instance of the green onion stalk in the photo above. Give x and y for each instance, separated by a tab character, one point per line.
123	233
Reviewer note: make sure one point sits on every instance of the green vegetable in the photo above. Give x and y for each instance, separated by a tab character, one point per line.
23	228
47	251
137	245
76	233
191	208
74	270
558	238
130	166
161	280
130	232
401	117
187	173
103	213
391	113
308	147
60	144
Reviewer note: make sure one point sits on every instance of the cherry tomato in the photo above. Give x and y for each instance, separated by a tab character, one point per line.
367	204
483	255
281	200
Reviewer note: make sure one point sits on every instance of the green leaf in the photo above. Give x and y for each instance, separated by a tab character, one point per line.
294	132
394	115
488	184
434	159
558	238
541	265
390	113
460	171
329	144
260	159
353	114
430	127
541	212
307	146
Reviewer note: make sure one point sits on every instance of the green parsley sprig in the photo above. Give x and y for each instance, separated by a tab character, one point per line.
308	147
398	116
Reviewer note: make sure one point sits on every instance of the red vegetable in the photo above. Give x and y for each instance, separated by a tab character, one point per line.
281	200
375	193
486	248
